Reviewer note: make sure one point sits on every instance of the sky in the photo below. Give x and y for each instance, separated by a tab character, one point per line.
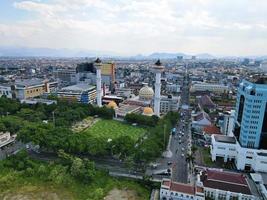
129	27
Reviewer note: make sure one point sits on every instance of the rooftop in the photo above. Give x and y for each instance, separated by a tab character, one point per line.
225	139
227	181
178	187
29	82
211	129
78	87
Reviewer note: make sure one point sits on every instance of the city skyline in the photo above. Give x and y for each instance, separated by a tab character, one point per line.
137	27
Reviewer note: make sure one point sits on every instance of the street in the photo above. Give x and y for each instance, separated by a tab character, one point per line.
180	143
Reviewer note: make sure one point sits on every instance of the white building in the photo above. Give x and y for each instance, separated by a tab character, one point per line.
5	90
169	103
173	88
6	138
228	148
263	66
202	87
178	191
222	185
83	93
228	123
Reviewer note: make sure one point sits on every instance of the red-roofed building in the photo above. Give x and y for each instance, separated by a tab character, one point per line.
179	191
210	130
225	185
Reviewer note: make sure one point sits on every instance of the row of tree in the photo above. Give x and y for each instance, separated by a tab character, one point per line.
82	170
141	119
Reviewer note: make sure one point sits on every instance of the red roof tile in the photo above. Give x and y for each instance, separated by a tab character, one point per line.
211	130
226	181
166	183
184	188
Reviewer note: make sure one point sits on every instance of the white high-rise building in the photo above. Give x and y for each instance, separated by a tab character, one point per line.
98	82
158	69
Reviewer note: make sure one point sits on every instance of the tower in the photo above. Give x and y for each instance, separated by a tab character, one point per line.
251	115
158	69
98	65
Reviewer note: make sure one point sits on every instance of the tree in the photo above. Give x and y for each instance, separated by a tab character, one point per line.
97	194
58	174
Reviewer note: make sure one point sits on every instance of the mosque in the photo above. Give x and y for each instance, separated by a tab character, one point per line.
137	104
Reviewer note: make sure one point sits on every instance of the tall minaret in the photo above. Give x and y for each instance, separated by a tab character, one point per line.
98	65
158	69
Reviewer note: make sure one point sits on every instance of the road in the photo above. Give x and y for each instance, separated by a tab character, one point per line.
179	143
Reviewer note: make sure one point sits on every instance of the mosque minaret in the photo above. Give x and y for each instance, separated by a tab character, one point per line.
158	69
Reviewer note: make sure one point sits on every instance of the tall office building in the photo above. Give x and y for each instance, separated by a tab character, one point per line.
251	115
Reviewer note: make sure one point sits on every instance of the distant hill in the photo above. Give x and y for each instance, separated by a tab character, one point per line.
47	52
166	55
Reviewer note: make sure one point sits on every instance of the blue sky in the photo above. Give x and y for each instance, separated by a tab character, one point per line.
226	27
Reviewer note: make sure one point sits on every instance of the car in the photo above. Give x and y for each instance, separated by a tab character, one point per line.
169	163
154	166
182	155
182	149
180	141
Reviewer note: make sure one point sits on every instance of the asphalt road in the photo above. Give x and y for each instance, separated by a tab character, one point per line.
178	145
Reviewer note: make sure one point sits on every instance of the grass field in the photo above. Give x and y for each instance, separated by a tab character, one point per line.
106	129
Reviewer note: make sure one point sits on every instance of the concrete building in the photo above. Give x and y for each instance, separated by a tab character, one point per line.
228	123
169	103
125	109
203	87
251	115
31	88
6	138
98	82
173	88
83	93
66	76
247	147
263	66
87	73
5	89
229	149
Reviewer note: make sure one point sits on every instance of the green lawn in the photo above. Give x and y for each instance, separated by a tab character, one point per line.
106	129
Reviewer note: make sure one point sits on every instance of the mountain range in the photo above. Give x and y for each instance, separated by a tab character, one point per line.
48	52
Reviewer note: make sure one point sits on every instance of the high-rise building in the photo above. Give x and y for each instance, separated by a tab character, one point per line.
248	146
251	115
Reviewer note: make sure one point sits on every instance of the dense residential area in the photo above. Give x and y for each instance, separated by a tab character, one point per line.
159	129
133	100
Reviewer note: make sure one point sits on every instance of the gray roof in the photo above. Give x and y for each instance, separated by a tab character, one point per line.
225	139
78	87
29	82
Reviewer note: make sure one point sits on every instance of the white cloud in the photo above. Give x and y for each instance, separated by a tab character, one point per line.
142	26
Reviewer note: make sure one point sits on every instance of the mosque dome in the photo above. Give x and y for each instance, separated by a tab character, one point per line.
146	93
112	104
148	111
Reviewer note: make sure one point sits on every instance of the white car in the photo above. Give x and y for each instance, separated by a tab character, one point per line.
182	149
182	155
